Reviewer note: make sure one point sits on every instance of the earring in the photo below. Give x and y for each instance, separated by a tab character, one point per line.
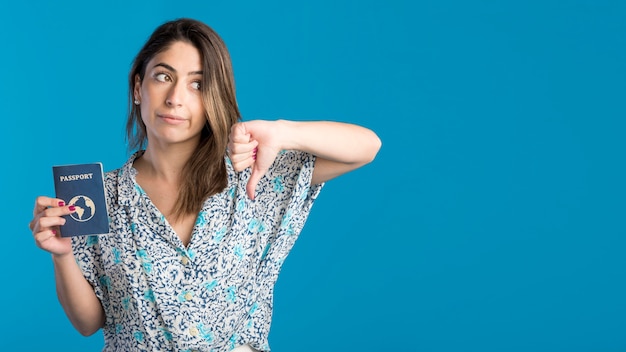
136	102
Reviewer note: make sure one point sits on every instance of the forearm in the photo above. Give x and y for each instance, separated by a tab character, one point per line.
333	141
339	147
77	296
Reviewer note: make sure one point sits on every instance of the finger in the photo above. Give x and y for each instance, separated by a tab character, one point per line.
44	236
244	157
58	211
239	134
255	177
242	164
42	203
252	183
244	152
238	148
48	222
50	217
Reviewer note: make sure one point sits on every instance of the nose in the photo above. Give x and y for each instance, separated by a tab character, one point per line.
175	96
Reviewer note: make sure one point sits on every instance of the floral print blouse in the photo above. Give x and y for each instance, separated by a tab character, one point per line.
214	294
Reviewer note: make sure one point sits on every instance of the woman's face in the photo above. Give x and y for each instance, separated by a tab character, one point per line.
170	96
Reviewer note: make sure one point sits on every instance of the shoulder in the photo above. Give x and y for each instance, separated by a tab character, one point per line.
119	183
125	170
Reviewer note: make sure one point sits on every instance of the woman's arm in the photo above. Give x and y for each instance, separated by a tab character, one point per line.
339	147
79	301
74	292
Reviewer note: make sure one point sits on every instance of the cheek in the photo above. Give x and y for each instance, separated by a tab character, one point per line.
197	109
145	110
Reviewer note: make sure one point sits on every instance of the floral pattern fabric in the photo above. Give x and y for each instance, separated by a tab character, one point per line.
214	294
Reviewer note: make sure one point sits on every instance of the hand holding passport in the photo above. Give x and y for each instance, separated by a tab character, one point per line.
82	185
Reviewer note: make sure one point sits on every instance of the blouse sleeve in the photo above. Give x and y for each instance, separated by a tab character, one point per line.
89	254
283	201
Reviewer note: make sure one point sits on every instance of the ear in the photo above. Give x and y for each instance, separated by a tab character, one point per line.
137	88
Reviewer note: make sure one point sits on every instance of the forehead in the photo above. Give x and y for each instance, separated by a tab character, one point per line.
182	56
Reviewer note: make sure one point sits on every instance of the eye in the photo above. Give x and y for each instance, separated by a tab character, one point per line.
195	85
162	77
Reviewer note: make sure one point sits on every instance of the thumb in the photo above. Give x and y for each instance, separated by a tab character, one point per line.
255	177
240	133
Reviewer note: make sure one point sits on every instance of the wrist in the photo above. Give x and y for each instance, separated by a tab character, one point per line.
62	258
288	132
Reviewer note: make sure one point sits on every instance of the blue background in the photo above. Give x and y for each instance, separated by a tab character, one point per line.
492	219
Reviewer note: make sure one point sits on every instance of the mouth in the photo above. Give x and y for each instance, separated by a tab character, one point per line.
171	119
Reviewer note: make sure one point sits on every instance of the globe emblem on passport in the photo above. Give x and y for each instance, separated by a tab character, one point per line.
85	208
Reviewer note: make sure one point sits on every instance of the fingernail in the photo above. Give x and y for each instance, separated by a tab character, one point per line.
61	203
72	208
253	156
54	232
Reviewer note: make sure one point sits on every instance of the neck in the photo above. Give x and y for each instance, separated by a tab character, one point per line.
165	164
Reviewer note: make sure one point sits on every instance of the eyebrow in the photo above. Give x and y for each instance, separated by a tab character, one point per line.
162	64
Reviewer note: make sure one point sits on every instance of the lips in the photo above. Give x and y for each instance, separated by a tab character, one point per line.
172	119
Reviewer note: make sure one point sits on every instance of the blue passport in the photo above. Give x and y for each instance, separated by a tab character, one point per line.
82	185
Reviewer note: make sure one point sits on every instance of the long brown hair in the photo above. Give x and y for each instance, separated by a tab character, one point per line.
205	173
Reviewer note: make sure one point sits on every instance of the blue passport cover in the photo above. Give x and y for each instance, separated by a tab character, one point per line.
82	185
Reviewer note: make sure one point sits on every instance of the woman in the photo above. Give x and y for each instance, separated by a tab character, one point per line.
202	214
